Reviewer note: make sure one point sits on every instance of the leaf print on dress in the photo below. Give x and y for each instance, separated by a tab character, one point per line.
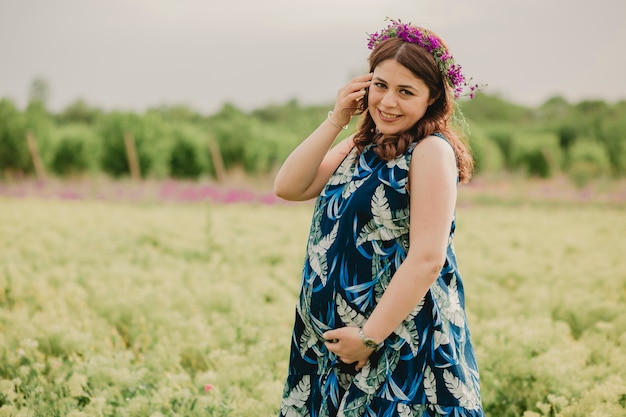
293	404
317	248
344	172
450	302
430	386
393	392
361	294
440	338
309	338
381	273
396	176
399	162
348	315
371	378
407	330
351	187
404	410
360	172
460	391
385	224
343	184
356	409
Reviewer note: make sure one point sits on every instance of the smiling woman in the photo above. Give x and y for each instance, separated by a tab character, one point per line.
396	100
380	326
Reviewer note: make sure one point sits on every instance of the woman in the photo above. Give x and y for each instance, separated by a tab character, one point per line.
380	327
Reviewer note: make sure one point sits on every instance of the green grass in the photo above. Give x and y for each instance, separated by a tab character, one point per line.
114	309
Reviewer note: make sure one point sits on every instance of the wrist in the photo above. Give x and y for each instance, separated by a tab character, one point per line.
369	342
334	123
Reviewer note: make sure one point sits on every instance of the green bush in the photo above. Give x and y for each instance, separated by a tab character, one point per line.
148	133
172	140
78	112
536	153
184	160
76	150
69	158
567	136
39	123
272	145
232	131
487	154
188	154
613	136
588	160
502	135
14	156
493	108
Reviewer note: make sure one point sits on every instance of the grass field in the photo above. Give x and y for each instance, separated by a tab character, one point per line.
160	309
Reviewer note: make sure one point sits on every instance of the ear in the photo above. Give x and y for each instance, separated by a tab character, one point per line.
432	100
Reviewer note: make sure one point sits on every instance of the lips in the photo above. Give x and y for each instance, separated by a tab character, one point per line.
388	117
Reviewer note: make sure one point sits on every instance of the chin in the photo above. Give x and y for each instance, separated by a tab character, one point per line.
389	132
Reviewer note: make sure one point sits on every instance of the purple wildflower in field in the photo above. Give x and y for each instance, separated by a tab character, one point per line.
69	195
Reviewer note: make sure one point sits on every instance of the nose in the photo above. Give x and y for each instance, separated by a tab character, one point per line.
389	99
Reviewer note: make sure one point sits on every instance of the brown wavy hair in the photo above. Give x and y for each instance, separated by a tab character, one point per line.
437	117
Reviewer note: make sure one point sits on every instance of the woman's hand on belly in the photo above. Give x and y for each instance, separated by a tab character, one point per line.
346	343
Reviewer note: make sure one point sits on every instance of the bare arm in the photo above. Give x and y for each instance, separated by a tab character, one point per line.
432	179
307	169
433	185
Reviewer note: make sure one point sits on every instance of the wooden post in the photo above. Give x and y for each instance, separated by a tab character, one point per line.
218	161
133	160
36	157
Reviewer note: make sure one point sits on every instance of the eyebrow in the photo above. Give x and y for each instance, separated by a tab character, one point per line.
400	86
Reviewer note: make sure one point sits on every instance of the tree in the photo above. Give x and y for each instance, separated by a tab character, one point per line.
39	92
79	112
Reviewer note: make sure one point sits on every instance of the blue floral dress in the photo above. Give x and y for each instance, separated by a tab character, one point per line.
358	238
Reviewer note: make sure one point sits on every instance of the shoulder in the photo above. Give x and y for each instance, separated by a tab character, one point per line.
433	157
434	146
346	145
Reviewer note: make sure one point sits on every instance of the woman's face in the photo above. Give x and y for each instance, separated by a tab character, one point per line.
397	99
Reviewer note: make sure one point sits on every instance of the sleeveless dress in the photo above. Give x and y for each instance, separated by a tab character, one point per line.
359	236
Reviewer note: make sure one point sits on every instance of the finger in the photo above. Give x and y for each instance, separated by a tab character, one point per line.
330	337
362	77
358	87
356	95
355	85
332	348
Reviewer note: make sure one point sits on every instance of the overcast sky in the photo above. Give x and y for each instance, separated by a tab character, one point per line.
135	54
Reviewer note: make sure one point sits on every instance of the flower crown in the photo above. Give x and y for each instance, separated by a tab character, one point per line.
450	70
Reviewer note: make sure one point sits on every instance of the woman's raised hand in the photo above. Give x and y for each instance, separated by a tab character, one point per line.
348	98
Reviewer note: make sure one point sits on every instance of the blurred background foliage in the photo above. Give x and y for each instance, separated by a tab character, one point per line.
583	141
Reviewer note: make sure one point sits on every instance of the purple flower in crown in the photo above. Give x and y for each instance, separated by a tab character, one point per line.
434	42
450	70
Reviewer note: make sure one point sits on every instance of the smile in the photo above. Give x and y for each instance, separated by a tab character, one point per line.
388	116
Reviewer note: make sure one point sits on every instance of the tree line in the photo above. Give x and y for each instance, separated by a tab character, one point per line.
584	140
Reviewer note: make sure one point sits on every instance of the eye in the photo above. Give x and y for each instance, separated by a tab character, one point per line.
380	85
406	92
